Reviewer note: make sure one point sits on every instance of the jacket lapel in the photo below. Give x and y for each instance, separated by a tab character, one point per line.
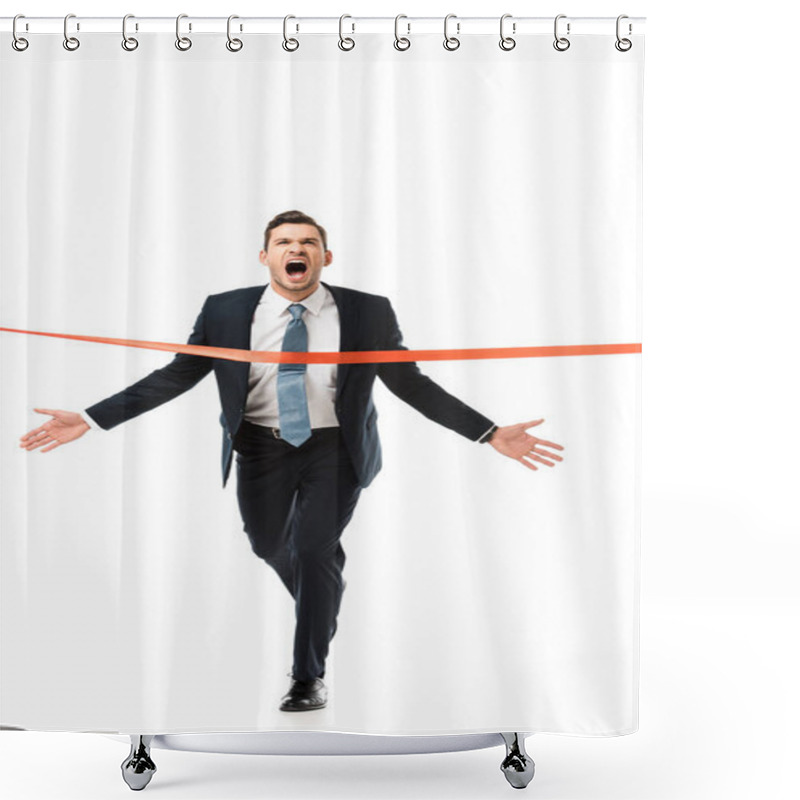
244	319
242	332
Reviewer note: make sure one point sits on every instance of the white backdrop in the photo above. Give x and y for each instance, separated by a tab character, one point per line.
720	522
495	198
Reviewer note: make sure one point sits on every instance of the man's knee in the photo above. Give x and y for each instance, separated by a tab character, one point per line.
267	548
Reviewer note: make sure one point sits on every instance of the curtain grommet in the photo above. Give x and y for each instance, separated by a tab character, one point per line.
183	43
19	43
289	44
129	43
506	42
561	43
401	43
346	43
622	44
451	43
233	44
70	43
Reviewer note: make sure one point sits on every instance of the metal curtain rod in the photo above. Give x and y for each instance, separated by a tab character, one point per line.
320	25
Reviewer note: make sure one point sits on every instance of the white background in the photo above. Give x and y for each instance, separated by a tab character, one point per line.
719	528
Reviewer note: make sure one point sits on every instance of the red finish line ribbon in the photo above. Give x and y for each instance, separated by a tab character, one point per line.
354	357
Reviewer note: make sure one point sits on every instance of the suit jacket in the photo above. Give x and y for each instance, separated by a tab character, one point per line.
367	322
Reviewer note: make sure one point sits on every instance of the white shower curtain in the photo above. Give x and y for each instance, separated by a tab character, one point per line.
494	197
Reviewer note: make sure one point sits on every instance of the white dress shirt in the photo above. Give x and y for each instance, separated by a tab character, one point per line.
269	327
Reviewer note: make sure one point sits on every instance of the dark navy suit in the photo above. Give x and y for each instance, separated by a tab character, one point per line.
295	502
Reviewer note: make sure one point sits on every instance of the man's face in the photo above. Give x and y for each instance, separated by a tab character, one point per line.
295	257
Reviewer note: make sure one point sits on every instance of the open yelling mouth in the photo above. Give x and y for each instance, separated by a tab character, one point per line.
296	269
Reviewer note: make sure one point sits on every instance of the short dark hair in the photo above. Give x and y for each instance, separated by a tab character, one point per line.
294	218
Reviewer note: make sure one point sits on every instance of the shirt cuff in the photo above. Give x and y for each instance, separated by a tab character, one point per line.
90	422
484	437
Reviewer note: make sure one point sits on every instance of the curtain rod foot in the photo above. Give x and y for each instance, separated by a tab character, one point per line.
517	766
138	768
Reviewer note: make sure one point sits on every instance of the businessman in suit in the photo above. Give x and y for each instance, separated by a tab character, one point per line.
305	437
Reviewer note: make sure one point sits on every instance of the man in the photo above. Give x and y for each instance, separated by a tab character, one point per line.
304	435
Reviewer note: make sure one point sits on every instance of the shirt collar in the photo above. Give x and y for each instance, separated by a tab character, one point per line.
280	305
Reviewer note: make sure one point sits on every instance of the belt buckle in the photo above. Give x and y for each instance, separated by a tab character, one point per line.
276	432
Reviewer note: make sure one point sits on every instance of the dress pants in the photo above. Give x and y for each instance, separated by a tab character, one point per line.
295	503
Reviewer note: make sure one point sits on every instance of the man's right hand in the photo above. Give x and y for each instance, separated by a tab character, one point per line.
65	426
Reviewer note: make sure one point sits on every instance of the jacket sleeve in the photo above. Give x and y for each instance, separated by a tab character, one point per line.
160	386
407	382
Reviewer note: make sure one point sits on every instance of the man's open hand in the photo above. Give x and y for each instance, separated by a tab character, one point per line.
65	426
514	442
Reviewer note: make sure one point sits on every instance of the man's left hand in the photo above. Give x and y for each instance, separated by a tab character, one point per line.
514	442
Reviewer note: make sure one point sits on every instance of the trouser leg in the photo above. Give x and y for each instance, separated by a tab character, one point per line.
327	495
266	488
295	504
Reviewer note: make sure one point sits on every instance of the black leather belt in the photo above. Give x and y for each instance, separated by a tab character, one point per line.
275	433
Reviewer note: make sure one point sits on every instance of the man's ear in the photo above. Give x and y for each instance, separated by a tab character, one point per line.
328	258
262	257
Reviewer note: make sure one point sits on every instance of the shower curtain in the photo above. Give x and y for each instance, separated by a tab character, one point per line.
485	202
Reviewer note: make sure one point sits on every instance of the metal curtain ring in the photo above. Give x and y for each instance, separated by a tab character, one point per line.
623	45
401	42
451	42
561	43
506	42
345	42
128	42
18	42
290	45
70	42
234	45
181	42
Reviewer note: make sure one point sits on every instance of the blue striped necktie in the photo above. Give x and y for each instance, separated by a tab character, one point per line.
294	423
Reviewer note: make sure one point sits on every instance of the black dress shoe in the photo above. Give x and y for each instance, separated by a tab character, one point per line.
305	696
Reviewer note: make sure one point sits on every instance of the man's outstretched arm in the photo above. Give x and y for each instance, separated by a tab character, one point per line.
418	390
160	386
